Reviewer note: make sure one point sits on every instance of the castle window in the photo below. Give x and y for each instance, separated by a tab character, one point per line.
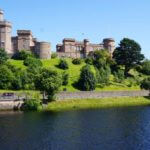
2	43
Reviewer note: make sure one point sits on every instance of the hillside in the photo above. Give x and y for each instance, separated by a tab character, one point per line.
74	72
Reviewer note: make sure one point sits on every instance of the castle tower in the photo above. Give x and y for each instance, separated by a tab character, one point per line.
43	50
86	47
5	34
109	44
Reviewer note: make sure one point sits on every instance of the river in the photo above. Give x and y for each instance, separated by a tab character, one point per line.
105	129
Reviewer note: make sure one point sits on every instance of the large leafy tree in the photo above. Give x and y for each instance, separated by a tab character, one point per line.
101	58
128	53
3	56
49	82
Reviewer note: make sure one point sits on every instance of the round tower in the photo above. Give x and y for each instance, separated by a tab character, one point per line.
86	47
109	44
5	34
1	15
44	50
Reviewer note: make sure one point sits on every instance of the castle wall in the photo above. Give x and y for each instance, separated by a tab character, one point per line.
72	48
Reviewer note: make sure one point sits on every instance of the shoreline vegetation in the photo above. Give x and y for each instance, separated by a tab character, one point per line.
69	105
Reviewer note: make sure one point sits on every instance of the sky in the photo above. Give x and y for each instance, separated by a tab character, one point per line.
53	20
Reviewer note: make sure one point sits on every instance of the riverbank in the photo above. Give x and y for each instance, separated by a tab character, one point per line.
66	105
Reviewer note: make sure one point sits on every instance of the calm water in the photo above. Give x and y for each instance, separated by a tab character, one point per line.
109	129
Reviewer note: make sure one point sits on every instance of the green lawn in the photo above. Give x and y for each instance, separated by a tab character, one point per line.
74	72
97	103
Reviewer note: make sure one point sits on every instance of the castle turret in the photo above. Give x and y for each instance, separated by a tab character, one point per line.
5	34
86	47
43	50
109	44
1	15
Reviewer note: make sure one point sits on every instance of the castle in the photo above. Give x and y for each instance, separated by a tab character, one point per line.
25	41
75	49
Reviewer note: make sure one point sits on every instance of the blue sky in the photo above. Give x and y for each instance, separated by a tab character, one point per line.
52	20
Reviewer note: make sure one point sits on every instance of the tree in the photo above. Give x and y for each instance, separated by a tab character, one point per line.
6	77
128	53
49	82
146	84
3	56
63	64
101	58
87	81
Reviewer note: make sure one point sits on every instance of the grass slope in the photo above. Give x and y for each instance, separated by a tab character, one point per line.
58	106
74	72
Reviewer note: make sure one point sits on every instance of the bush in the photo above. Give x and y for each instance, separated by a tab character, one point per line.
63	64
32	104
54	55
87	81
3	56
22	55
32	61
102	75
89	61
146	84
65	78
145	67
119	76
77	61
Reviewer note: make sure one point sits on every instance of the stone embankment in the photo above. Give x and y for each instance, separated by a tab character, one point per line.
97	95
10	105
14	102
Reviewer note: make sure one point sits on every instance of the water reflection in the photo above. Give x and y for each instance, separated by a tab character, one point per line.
108	129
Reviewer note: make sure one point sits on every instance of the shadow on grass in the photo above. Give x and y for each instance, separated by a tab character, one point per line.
76	85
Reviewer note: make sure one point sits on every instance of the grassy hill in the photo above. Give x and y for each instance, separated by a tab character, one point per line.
74	72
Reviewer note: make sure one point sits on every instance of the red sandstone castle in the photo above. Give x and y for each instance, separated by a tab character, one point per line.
74	49
25	41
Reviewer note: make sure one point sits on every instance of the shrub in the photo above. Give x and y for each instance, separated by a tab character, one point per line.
63	64
54	55
65	78
32	104
102	75
119	76
77	61
146	84
32	61
87	81
145	67
3	56
89	61
22	55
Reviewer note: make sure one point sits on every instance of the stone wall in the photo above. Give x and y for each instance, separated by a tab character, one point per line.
96	95
10	105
